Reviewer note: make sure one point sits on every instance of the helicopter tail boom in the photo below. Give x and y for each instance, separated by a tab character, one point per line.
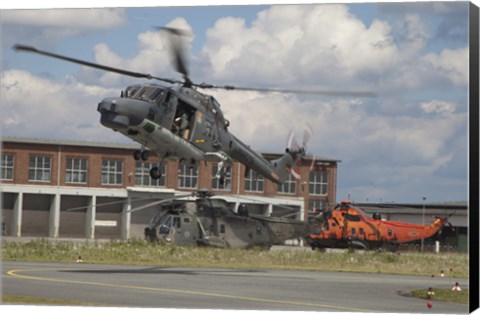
286	165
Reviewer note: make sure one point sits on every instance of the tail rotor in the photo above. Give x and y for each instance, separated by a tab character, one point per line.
298	152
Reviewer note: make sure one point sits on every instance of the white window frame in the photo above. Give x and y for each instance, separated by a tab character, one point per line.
289	187
227	185
40	168
111	174
318	183
187	176
8	167
76	170
320	205
142	174
254	182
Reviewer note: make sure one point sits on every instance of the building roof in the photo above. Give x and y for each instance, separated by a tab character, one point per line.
446	208
78	143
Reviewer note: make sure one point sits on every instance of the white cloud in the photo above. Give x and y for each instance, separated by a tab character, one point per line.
325	46
153	57
451	64
77	19
46	27
299	43
37	107
439	107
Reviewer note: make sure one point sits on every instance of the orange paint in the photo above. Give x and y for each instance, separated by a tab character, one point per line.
347	226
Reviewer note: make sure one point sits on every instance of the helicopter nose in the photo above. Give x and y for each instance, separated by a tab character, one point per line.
110	115
122	113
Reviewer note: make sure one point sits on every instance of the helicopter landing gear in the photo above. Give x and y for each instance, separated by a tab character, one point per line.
155	173
141	155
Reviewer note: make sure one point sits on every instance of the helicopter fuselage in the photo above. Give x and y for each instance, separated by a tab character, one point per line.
350	227
182	123
210	222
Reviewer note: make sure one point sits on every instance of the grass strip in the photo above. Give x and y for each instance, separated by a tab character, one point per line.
139	252
9	299
443	295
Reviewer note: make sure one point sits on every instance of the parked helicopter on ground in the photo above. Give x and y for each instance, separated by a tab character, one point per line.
205	221
179	122
348	226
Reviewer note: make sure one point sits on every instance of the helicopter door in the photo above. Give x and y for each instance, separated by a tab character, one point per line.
183	123
167	109
185	231
204	132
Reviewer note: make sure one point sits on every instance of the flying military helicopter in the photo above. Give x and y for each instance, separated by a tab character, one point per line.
179	122
202	220
348	226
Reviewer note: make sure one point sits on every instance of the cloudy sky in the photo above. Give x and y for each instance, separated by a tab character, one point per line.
409	142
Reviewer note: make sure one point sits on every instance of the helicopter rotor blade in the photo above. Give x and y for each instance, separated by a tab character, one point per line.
178	52
159	202
307	134
106	204
292	143
286	207
177	49
289	91
32	49
297	150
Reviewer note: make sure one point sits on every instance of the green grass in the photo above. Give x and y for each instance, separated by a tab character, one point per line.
443	295
139	252
30	300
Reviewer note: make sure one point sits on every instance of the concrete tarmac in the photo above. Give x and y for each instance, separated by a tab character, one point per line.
207	288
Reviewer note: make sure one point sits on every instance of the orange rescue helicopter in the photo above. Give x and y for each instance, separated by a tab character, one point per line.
348	226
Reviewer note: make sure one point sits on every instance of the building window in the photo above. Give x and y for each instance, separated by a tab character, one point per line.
39	169
187	176
254	182
318	183
315	206
142	174
76	171
112	172
7	167
289	186
227	182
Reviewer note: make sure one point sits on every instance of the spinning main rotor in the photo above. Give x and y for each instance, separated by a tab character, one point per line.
178	52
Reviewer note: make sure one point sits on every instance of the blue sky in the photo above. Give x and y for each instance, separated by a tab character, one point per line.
409	142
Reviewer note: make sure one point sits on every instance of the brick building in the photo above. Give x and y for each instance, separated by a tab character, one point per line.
44	181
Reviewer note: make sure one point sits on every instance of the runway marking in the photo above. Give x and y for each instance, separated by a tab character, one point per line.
15	273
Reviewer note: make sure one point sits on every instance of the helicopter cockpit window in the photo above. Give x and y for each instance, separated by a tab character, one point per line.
165	224
158	218
131	90
216	108
176	222
351	217
362	212
149	93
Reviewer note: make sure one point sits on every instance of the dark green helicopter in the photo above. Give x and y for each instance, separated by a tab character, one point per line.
179	122
205	221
